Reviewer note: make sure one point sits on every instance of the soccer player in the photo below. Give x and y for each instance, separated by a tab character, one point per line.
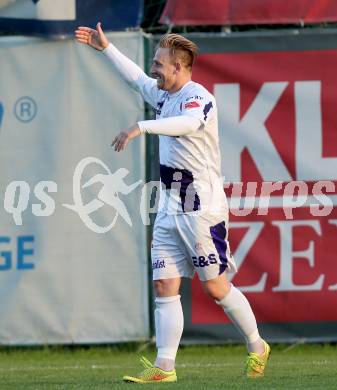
191	229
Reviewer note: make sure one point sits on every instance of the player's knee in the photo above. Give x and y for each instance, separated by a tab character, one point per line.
215	289
212	291
166	287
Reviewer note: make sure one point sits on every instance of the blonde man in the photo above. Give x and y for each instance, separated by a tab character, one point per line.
191	228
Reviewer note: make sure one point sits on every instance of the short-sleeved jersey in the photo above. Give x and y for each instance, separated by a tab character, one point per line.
189	164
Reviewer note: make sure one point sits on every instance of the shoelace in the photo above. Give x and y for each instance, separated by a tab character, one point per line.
254	360
148	367
145	362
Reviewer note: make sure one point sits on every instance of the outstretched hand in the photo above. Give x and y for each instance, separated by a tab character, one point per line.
94	38
124	137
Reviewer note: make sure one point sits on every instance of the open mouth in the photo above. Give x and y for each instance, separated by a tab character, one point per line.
158	78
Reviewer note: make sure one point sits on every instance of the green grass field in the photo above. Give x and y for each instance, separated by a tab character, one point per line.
211	368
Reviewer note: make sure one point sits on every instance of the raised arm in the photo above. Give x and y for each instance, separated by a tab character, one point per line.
128	70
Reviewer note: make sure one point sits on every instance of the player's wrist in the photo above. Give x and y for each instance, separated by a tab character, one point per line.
134	131
105	45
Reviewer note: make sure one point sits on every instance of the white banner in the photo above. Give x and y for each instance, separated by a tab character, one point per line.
73	260
38	9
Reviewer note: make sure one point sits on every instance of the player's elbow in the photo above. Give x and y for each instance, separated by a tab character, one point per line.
192	124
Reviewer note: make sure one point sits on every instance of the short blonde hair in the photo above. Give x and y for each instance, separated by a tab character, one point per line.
181	47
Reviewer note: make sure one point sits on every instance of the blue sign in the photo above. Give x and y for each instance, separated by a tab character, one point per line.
24	248
1	113
48	17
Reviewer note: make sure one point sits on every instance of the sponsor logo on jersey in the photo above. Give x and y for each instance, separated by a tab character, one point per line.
158	264
198	246
193	104
195	97
202	261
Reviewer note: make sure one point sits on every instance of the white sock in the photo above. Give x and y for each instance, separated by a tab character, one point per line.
169	322
238	310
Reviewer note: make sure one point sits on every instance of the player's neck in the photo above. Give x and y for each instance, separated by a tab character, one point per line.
179	84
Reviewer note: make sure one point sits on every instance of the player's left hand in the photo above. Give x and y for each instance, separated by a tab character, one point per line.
124	137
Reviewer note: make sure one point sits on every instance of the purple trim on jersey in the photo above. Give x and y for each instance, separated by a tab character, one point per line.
219	233
169	176
159	107
207	108
161	103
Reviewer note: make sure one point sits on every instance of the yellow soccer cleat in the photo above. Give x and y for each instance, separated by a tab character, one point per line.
151	374
256	363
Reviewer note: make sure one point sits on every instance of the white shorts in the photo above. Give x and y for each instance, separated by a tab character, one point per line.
185	243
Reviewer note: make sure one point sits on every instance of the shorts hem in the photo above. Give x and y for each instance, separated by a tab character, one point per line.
172	276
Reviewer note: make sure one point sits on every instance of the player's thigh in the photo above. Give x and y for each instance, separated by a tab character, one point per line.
206	241
168	253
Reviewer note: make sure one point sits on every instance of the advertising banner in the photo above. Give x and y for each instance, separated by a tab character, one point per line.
61	17
224	12
277	126
73	257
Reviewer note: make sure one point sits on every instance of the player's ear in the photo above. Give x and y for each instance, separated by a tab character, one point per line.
177	67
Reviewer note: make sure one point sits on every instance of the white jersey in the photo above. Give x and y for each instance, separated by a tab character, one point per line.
189	164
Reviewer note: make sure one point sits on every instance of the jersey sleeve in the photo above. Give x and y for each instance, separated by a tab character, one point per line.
199	105
133	75
147	87
174	126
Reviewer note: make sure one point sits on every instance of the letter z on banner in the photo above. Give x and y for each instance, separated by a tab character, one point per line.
277	125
